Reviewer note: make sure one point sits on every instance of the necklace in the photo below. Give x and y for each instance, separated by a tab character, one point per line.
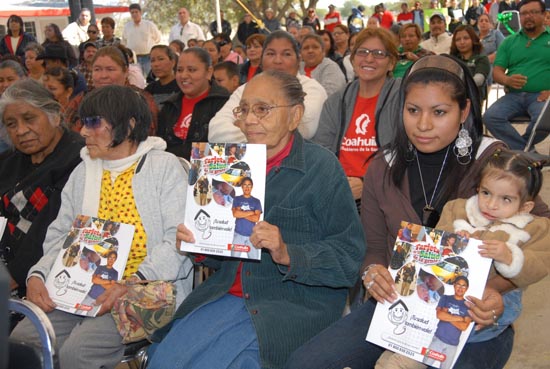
428	209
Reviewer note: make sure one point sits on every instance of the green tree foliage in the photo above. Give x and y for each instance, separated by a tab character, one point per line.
164	12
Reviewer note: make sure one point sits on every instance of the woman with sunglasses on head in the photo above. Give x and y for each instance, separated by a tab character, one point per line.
281	52
437	154
359	118
44	153
53	36
15	41
310	243
119	157
185	117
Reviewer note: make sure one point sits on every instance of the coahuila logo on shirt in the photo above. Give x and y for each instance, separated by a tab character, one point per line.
186	121
361	124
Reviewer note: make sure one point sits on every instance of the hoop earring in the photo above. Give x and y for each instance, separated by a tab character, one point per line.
463	146
411	152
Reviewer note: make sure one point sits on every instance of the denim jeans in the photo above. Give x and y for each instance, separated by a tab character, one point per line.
513	104
343	345
219	334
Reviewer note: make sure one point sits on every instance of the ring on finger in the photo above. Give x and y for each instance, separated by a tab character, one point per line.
369	285
373	275
495	318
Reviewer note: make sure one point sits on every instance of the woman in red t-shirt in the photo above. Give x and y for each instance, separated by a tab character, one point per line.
185	116
348	124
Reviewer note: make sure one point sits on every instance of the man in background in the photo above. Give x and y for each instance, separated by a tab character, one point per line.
226	27
77	32
246	28
108	30
185	30
524	74
140	35
439	41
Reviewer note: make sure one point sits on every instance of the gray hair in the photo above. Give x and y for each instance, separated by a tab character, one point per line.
33	93
15	66
290	86
36	47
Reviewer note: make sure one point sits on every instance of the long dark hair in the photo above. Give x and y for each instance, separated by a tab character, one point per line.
477	47
432	69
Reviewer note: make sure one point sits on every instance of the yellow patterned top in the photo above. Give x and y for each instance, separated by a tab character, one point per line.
117	203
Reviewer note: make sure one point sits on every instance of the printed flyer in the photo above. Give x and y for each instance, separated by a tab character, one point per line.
433	271
225	198
91	260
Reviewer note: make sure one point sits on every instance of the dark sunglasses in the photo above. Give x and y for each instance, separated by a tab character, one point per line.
94	32
91	122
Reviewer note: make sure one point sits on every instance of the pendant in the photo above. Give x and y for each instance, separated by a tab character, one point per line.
528	44
430	216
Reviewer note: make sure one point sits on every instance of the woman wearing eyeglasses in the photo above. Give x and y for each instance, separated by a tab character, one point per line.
119	158
310	243
358	119
93	36
185	117
44	155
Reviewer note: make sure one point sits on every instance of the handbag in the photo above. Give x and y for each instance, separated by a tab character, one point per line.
144	308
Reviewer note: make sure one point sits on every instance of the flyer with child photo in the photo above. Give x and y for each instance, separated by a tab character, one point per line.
225	198
433	271
91	260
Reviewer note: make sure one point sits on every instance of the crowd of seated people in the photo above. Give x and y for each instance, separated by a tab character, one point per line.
352	93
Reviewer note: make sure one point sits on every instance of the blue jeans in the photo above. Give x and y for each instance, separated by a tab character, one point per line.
343	345
216	335
513	104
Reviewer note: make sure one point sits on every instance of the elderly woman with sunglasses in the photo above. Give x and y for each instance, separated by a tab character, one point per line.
119	157
44	155
310	243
